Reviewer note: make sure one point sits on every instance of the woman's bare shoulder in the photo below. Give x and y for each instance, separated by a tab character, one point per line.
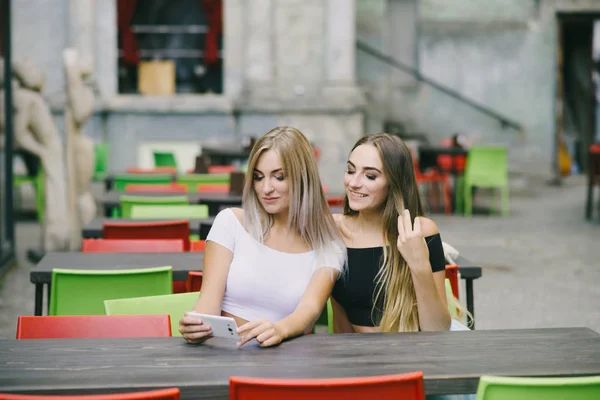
239	214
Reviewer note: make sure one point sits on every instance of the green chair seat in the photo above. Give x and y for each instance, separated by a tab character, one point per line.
101	154
38	185
186	211
174	305
128	201
82	292
122	180
192	180
509	388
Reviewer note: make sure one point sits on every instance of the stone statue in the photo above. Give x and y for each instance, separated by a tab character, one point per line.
35	131
80	148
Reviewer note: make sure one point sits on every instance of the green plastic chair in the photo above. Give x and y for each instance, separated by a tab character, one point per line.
82	292
164	159
121	181
509	388
192	180
101	153
486	167
174	305
39	187
127	202
326	317
169	211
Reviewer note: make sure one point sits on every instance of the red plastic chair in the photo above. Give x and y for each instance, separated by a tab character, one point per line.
197	245
445	161
335	201
194	281
432	176
132	246
160	394
452	275
388	387
157	170
179	229
221	169
593	175
93	326
212	188
156	188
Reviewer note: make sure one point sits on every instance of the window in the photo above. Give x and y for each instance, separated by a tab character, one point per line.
170	46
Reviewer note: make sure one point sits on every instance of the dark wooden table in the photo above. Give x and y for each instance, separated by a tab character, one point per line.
41	274
215	201
93	230
452	362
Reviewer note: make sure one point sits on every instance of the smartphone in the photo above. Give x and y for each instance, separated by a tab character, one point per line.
224	327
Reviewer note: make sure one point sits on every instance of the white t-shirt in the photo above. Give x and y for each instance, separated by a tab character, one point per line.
262	282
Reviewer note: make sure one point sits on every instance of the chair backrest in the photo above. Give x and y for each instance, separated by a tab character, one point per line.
487	166
194	281
452	276
221	169
594	163
401	386
132	246
157	170
159	394
174	305
169	211
82	292
212	188
93	326
335	201
128	201
122	180
164	159
156	188
192	180
101	154
505	387
197	245
178	229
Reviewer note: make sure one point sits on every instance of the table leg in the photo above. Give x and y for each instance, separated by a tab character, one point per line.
470	302
590	199
48	304
39	294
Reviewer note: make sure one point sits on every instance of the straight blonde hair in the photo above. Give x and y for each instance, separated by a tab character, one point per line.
395	290
308	213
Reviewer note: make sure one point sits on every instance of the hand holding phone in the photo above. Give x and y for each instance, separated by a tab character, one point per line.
224	327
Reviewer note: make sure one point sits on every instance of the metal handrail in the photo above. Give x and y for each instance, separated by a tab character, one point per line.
504	121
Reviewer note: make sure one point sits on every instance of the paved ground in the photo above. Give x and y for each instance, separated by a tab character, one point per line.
541	265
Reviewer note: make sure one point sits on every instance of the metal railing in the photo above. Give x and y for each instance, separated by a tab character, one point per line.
504	121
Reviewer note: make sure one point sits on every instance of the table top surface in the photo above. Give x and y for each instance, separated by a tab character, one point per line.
182	263
452	362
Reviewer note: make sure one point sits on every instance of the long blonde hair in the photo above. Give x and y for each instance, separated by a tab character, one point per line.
395	291
309	213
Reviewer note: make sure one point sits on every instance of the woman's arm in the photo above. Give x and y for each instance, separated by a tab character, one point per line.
341	323
429	287
306	313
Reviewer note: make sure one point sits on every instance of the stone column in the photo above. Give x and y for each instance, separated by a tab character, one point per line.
341	36
82	25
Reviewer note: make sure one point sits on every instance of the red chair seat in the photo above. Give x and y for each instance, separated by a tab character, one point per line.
156	188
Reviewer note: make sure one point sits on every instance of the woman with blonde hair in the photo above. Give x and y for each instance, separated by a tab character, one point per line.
271	265
396	268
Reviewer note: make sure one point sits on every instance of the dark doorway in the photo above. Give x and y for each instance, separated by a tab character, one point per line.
576	92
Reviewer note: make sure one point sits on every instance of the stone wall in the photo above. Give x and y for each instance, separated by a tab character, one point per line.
286	62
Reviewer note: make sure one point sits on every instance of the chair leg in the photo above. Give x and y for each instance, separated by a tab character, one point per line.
468	199
505	202
447	197
590	201
494	201
459	195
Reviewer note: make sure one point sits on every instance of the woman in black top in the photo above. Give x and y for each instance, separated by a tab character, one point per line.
396	267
